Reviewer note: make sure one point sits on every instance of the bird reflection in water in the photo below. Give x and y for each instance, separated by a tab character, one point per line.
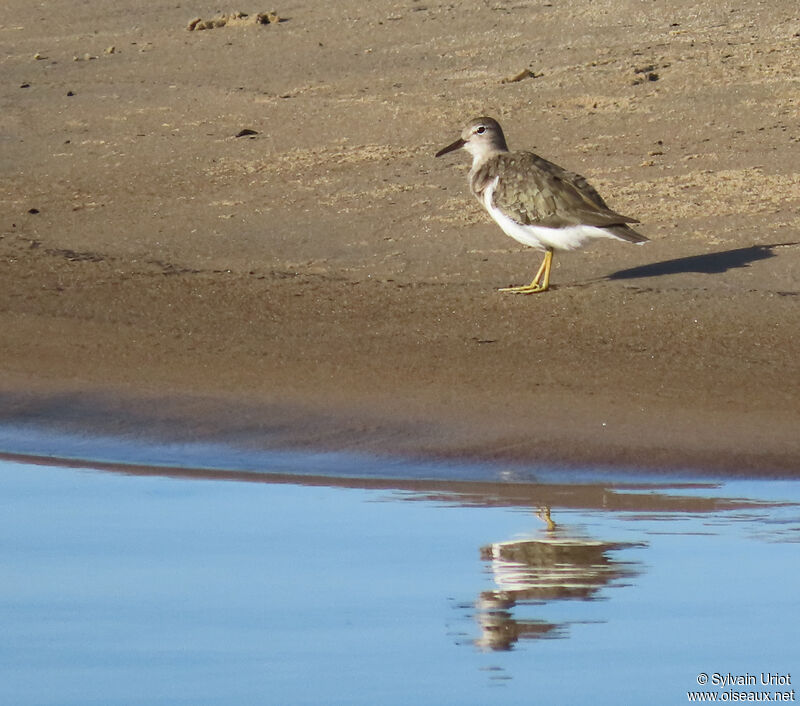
560	564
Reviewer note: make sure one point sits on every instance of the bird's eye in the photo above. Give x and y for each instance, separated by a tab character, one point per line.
480	129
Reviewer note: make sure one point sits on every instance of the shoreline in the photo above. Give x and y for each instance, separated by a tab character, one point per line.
702	443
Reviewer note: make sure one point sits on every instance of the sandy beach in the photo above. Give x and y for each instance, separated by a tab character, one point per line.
326	283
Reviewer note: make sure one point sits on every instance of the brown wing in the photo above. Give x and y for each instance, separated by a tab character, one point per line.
534	191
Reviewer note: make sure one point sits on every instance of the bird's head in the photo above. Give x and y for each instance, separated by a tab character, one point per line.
482	137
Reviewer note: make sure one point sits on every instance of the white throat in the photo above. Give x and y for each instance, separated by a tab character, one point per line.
481	150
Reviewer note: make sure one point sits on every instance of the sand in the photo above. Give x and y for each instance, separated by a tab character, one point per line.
326	283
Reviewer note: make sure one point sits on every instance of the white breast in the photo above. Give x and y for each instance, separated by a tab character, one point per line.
540	237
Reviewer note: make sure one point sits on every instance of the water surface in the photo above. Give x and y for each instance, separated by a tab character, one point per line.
253	588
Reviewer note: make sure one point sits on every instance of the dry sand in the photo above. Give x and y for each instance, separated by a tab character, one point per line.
327	283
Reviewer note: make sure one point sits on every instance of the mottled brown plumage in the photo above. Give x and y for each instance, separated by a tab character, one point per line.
534	191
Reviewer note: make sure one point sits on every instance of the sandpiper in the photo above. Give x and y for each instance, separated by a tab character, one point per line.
535	201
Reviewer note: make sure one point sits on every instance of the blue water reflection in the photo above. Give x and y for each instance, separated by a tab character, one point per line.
141	589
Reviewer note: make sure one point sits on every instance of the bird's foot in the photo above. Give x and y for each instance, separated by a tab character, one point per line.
526	289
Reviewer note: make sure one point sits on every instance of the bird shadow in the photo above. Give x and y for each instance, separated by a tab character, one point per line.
708	264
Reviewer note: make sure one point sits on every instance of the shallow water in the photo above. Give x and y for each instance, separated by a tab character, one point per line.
141	588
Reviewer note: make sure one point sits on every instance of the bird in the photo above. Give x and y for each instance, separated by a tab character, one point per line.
535	201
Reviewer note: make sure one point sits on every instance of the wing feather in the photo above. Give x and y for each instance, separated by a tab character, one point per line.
534	191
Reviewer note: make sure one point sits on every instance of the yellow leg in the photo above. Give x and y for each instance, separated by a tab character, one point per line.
544	515
541	282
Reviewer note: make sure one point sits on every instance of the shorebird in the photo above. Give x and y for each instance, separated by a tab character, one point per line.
535	201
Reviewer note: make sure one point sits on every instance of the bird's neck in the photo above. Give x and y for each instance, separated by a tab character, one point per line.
483	153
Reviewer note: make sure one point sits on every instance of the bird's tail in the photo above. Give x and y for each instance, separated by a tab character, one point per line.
626	233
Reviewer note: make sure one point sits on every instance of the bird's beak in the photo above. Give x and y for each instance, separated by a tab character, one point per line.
458	144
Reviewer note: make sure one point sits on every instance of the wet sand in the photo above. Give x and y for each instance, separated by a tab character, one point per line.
325	283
